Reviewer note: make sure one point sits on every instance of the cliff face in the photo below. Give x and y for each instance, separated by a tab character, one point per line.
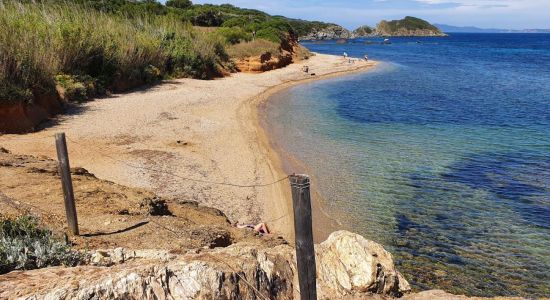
331	32
347	265
289	52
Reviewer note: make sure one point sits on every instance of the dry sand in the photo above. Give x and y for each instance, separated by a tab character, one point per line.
206	131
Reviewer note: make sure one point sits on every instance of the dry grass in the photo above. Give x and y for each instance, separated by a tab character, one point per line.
39	42
253	48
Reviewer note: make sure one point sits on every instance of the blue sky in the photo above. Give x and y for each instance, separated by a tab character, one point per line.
508	14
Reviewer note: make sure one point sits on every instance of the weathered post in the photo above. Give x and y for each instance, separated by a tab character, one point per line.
305	252
66	181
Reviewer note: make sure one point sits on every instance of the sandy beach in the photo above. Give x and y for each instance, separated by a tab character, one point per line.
189	139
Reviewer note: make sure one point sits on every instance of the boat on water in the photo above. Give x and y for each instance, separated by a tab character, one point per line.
386	41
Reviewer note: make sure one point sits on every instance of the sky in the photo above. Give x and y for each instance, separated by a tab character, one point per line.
505	14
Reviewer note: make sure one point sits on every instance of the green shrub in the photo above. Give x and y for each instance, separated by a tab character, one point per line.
12	93
181	4
207	17
235	35
74	88
25	246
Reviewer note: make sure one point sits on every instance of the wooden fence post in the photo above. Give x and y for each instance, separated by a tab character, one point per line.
66	181
305	252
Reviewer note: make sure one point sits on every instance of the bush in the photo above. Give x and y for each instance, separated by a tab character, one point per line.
181	4
235	35
25	246
77	88
207	17
12	93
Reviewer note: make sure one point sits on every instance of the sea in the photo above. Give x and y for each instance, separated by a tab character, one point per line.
441	154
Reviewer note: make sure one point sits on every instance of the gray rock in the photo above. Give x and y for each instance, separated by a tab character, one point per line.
332	32
348	265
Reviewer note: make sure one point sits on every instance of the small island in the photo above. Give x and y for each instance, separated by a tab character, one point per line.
409	26
406	27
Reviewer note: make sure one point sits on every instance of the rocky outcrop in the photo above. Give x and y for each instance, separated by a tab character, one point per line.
330	32
236	272
289	52
264	62
363	31
348	265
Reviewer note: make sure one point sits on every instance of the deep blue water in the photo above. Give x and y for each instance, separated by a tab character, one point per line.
442	154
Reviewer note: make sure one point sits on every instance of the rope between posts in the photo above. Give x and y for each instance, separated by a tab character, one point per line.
182	177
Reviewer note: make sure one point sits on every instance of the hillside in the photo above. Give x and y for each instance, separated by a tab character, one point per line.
60	52
409	26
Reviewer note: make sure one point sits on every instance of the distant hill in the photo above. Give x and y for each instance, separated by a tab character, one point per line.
409	26
364	31
472	29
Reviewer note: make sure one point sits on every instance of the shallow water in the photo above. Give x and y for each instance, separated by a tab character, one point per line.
442	154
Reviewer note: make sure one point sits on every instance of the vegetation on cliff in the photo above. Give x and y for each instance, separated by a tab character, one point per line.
407	26
86	47
39	43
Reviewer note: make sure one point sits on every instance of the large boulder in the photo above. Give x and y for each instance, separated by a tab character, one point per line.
348	263
235	272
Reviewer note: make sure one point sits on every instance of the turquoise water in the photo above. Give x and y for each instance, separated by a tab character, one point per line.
442	154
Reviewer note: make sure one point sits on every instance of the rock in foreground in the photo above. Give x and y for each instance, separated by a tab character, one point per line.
348	265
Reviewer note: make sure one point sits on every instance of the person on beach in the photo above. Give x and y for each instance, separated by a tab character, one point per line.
345	55
261	227
366	57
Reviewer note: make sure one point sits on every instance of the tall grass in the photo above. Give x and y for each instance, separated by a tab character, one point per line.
254	49
39	42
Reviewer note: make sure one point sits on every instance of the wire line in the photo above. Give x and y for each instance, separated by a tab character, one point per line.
182	177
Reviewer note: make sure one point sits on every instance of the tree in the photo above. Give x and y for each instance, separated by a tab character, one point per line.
183	4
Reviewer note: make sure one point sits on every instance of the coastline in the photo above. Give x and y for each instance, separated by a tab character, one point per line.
282	163
206	131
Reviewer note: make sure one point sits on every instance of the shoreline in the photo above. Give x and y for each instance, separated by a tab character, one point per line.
282	163
206	131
